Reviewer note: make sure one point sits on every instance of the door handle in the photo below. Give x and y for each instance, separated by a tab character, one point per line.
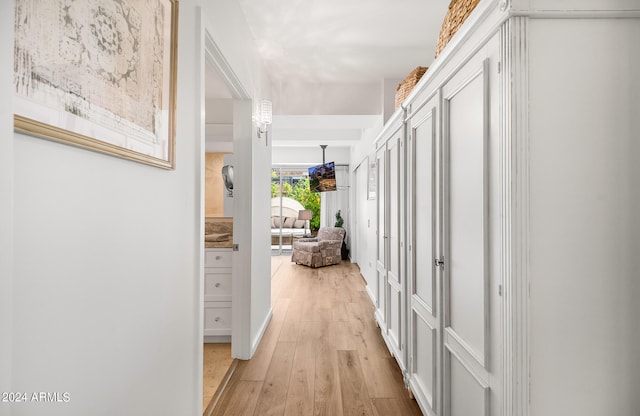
438	262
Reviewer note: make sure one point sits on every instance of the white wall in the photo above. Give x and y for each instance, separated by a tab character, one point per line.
389	87
106	284
219	111
228	28
364	223
310	155
585	229
365	209
6	201
331	202
101	295
366	145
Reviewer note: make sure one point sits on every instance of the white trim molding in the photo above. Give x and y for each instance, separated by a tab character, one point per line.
514	155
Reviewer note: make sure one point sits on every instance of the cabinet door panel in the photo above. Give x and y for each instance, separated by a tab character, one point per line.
423	140
424	315
393	196
465	305
425	350
467	396
381	256
393	321
394	284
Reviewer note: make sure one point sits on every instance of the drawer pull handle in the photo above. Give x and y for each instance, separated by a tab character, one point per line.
217	284
217	319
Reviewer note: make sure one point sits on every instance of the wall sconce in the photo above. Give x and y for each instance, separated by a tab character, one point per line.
227	179
265	117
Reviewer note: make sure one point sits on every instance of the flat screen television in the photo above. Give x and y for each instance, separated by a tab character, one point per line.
322	178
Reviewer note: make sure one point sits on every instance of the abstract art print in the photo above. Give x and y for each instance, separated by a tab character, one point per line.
98	74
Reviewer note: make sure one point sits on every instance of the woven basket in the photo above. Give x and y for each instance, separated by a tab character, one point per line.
458	12
404	88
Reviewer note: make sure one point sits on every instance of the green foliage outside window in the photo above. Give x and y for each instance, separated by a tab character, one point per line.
287	189
301	193
309	200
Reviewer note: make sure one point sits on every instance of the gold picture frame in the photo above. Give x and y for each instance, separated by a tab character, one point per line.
100	75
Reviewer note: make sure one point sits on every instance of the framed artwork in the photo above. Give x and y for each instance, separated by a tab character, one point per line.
98	74
371	177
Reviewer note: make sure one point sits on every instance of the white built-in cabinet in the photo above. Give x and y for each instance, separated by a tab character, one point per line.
505	234
437	309
390	306
381	241
217	294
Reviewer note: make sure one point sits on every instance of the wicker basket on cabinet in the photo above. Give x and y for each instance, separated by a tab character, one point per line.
404	88
458	12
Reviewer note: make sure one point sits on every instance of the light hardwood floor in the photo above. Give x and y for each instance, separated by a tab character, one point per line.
322	353
216	360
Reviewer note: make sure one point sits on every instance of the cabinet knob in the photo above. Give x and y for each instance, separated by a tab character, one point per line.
217	257
217	284
217	319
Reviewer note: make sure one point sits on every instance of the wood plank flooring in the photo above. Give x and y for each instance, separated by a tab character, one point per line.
322	353
216	361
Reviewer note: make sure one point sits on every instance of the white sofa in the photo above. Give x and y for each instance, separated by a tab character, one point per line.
285	222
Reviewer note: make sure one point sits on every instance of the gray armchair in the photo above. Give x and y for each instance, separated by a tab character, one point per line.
323	250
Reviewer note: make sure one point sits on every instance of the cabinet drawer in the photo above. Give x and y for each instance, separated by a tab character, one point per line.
217	318
217	258
217	285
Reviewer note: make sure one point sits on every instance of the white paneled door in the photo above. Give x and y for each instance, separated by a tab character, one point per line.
424	308
381	251
394	276
467	343
454	302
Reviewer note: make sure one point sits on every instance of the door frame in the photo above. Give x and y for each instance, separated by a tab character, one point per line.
211	55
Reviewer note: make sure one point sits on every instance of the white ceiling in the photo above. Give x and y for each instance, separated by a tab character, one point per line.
343	41
313	48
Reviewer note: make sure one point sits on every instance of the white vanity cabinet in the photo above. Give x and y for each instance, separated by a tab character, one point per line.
217	294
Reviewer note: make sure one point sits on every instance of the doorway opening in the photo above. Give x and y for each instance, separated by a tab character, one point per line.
295	210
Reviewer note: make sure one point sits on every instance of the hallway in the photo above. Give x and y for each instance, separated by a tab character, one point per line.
322	353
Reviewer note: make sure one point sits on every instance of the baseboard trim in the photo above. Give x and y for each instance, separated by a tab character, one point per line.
263	328
217	339
371	296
